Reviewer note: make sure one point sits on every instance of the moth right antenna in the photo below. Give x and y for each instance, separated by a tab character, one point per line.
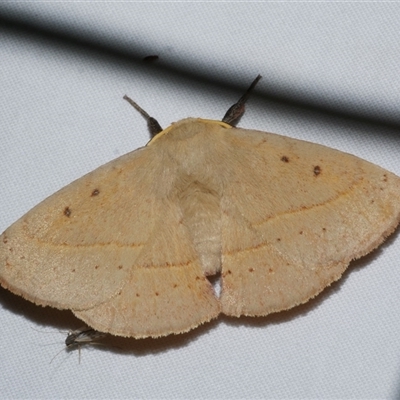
234	113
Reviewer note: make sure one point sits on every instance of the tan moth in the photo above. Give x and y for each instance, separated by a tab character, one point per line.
128	247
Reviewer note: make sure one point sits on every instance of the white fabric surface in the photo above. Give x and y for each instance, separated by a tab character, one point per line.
331	75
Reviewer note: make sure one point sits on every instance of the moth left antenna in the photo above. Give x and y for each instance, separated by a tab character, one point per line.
237	110
152	123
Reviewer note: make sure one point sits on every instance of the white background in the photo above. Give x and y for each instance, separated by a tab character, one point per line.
330	75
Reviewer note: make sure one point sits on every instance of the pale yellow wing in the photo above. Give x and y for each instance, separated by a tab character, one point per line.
294	214
110	247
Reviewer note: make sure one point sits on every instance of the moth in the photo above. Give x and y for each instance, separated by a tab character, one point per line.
81	337
128	247
150	59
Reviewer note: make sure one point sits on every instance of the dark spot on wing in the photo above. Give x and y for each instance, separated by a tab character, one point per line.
317	170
